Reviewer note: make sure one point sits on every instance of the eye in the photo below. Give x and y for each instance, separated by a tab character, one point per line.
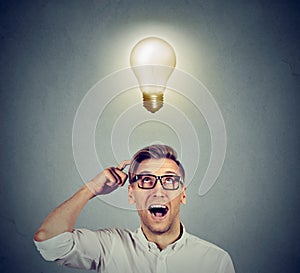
169	180
147	179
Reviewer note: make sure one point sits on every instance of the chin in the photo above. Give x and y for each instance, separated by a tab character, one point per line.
158	228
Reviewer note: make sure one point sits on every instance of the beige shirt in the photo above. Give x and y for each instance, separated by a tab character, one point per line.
123	251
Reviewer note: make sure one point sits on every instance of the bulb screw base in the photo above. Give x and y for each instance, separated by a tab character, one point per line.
153	102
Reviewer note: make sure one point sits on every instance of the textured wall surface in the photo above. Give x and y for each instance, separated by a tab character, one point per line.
245	52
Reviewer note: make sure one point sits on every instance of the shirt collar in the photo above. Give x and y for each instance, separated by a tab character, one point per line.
153	247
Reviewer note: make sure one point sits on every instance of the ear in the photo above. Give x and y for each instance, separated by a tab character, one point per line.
183	196
131	198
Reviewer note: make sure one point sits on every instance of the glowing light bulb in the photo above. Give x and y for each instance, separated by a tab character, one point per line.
152	61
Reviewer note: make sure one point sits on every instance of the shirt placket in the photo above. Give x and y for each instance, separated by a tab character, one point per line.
161	257
161	265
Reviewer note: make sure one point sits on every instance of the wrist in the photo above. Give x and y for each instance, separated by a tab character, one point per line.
88	191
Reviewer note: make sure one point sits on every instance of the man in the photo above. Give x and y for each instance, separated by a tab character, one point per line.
161	244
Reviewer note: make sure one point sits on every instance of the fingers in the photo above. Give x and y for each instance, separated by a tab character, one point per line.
115	177
109	179
123	164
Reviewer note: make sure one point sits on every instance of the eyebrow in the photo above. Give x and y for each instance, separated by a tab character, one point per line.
149	172
145	172
172	172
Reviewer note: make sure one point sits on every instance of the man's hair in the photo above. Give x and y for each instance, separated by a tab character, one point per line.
156	151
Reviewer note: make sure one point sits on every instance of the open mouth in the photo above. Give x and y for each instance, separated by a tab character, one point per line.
158	211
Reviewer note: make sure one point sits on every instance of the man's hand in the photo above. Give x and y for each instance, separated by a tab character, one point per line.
109	180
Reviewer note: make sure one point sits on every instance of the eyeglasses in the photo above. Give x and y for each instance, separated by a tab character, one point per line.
148	181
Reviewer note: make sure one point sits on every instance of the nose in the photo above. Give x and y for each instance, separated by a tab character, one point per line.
158	190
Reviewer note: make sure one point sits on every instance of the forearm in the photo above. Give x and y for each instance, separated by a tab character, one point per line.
63	218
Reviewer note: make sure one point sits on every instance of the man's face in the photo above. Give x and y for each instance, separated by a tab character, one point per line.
158	208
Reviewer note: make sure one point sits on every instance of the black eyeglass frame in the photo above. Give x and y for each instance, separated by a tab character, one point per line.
157	177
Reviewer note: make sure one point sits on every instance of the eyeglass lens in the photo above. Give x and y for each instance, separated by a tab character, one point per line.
169	182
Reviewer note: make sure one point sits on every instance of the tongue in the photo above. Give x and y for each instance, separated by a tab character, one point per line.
158	214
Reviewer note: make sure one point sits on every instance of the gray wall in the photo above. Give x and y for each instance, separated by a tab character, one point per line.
245	52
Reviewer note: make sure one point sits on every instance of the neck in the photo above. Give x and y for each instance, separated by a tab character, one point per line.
162	240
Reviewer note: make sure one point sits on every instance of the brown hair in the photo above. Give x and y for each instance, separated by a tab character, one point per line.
155	151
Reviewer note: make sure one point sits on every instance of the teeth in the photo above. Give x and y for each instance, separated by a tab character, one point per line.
157	207
158	210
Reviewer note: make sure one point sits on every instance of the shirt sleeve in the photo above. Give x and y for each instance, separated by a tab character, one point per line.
227	264
78	249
